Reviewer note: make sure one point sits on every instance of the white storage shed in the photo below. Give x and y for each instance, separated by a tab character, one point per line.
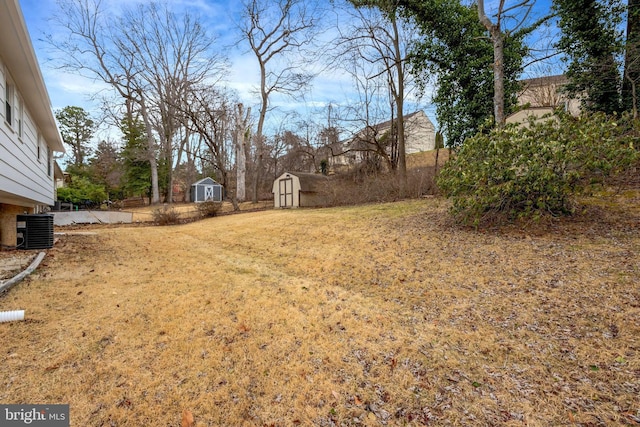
297	189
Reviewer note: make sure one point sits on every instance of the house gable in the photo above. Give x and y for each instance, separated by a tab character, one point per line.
420	135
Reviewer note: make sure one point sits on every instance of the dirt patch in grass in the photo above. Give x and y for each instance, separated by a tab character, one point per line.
373	315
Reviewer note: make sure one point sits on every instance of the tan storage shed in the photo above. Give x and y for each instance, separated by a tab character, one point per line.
297	189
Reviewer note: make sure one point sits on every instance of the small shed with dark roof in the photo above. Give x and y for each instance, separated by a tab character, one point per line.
206	190
298	189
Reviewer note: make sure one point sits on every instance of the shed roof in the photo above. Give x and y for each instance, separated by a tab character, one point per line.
206	181
309	181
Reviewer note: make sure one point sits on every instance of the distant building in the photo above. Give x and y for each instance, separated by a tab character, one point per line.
28	132
420	135
542	95
206	190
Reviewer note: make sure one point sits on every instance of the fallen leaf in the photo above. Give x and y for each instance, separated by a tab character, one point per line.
357	400
336	395
187	419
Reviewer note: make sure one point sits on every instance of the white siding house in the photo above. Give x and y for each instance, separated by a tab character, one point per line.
419	135
28	132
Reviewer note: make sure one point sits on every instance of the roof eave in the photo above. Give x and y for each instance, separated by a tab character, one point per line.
17	50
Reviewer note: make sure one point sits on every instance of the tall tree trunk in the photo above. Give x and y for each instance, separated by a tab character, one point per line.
259	137
498	75
402	155
497	38
631	58
155	193
241	159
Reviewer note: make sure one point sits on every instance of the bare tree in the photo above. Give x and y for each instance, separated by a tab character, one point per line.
497	34
276	32
148	55
90	49
208	112
360	117
173	53
242	137
381	38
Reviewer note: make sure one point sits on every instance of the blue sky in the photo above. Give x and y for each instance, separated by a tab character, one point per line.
67	89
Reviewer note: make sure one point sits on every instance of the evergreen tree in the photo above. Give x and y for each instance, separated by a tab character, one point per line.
106	168
76	128
591	44
137	168
456	50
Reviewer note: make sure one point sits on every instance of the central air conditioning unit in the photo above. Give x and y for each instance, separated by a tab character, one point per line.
35	231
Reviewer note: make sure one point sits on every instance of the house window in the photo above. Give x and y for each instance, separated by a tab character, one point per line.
49	159
19	117
8	103
38	145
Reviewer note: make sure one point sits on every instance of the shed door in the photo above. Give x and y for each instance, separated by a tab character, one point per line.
208	192
286	193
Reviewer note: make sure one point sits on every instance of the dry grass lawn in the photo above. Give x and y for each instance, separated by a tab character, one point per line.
372	315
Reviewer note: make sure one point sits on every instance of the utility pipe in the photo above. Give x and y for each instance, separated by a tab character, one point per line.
36	262
11	316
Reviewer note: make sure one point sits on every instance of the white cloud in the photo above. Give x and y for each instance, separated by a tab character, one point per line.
332	86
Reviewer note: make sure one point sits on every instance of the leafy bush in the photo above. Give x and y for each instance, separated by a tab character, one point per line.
166	216
530	171
80	190
209	208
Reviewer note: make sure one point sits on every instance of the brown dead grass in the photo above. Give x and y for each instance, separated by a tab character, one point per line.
373	315
189	211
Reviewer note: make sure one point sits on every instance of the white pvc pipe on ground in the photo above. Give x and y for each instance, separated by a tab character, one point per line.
11	316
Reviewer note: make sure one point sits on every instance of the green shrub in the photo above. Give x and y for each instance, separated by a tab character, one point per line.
80	190
527	172
166	216
209	208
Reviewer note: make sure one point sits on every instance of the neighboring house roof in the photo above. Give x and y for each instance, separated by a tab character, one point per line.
523	116
57	171
540	96
17	52
419	134
379	128
387	125
559	80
